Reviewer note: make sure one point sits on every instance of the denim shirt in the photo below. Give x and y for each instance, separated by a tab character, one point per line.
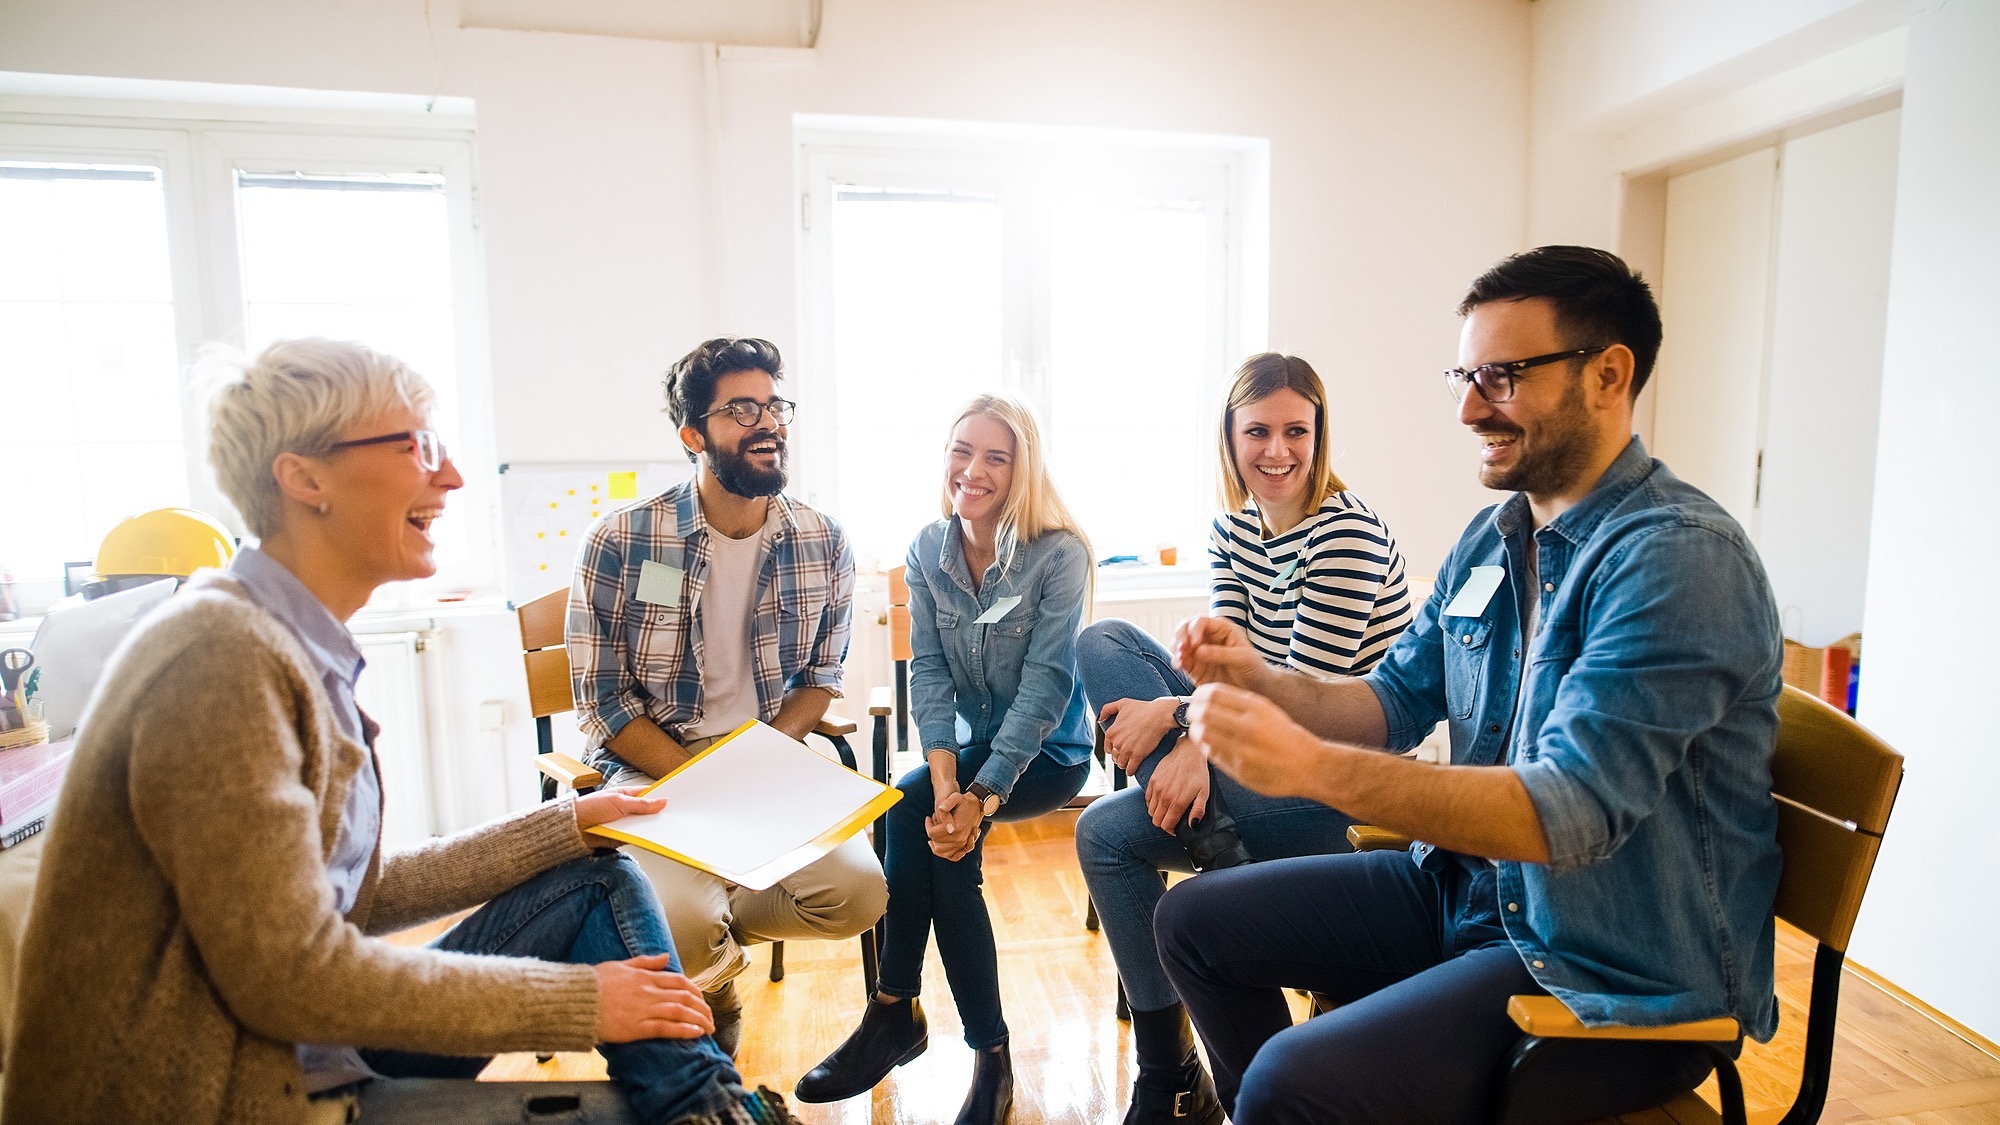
1644	738
1010	683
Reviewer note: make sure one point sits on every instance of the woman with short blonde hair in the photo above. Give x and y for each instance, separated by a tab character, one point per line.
997	592
207	935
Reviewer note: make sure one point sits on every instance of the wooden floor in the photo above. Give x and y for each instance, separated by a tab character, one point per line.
1072	1058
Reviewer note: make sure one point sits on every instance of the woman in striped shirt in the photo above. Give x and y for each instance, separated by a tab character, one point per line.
1316	580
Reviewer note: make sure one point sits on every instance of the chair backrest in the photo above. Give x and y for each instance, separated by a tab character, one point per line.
899	615
1835	783
543	652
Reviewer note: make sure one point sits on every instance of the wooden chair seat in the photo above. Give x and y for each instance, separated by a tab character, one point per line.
1835	785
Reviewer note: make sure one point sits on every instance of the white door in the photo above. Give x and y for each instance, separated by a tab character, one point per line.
1714	289
1836	208
1775	295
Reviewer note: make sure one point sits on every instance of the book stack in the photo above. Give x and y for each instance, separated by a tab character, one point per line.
30	779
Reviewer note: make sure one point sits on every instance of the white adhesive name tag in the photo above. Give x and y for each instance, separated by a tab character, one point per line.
1477	591
660	584
1000	609
1285	575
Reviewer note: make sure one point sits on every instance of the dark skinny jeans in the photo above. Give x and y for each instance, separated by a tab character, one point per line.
927	893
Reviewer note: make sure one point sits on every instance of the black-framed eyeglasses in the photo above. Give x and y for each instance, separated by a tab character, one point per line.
1495	381
430	447
747	412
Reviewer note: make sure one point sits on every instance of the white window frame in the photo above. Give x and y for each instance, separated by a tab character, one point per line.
1024	168
199	149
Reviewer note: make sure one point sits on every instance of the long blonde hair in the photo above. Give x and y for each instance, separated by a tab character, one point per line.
1260	377
1034	507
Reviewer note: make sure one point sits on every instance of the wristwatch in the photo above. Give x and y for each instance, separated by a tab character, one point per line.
989	801
1180	714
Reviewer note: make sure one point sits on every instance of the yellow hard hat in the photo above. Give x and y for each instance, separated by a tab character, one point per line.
165	542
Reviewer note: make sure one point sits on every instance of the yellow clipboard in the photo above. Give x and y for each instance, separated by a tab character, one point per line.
754	807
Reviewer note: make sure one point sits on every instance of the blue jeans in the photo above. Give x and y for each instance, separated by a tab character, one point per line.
1420	970
587	911
1118	846
927	893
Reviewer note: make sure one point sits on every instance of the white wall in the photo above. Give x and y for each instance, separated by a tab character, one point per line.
1605	69
1927	677
636	196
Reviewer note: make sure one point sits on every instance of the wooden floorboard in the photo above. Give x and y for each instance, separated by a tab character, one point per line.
1072	1056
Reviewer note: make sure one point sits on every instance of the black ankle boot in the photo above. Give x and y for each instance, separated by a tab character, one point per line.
889	1036
1213	843
992	1095
1186	1098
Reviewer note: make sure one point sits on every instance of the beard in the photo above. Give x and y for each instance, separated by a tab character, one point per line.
1553	455
735	473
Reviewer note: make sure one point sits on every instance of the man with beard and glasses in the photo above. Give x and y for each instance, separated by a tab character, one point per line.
719	601
1604	649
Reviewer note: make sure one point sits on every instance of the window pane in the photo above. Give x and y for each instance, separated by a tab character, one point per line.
365	258
1130	439
87	353
916	328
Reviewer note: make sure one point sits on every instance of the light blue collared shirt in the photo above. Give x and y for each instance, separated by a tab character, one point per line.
1010	683
337	657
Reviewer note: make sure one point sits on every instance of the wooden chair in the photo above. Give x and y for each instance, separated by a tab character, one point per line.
1835	784
547	663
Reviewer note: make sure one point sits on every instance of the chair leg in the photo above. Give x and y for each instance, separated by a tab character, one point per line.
1090	915
777	960
871	963
1728	1084
1124	1005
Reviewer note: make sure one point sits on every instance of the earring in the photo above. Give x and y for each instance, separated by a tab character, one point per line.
325	507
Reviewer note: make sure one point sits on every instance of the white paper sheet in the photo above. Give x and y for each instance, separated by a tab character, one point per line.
755	807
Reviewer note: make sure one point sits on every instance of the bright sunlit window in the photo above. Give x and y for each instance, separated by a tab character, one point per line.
89	392
125	250
1096	281
917	316
359	257
1129	282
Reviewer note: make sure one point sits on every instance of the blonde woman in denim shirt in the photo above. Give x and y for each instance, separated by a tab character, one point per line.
997	593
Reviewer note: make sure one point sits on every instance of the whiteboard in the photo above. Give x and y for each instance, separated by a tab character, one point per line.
546	507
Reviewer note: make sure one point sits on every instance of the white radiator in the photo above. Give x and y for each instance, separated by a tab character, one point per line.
395	691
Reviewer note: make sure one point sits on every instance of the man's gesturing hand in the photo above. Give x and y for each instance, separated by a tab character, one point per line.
1212	650
1252	740
641	999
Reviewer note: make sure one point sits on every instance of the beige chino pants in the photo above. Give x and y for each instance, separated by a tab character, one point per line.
712	919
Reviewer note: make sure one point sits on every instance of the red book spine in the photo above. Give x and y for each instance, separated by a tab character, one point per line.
1833	676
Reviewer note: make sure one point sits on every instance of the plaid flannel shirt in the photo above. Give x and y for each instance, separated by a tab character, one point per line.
630	658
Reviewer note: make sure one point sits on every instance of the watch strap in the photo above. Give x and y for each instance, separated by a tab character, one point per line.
989	801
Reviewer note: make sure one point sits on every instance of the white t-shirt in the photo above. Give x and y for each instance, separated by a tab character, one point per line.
728	598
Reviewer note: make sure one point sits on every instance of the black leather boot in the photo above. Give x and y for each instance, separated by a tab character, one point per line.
991	1098
1172	1088
1213	843
1187	1098
889	1036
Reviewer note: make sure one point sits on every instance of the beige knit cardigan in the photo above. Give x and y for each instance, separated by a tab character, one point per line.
183	938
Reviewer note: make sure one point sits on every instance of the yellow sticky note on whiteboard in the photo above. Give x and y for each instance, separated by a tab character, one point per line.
624	486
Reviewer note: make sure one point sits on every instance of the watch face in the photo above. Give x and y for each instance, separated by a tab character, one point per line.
1181	715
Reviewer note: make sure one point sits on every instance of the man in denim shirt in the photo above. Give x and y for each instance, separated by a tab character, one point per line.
1605	651
719	601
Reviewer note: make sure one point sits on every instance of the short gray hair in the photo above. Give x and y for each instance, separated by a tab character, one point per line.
297	397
